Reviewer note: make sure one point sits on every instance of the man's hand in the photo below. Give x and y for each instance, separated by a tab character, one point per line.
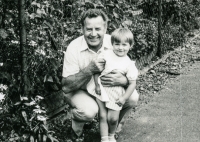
115	78
67	97
97	65
120	101
98	90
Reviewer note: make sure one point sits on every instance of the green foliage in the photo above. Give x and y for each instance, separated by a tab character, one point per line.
178	17
26	116
173	36
52	25
145	33
176	12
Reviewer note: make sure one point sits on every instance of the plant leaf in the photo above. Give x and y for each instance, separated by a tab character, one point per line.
25	116
116	15
3	33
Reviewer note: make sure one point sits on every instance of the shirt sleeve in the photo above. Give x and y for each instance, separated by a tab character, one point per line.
132	72
70	64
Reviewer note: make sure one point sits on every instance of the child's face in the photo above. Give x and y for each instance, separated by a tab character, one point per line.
121	48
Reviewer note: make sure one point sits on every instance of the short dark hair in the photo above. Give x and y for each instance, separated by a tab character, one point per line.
93	13
122	34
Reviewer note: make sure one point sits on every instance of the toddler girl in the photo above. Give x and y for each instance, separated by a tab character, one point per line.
111	99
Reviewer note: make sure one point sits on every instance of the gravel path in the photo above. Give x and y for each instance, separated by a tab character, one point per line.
172	115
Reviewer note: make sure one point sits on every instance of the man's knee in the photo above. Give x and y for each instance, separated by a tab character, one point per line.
86	106
91	113
133	100
83	115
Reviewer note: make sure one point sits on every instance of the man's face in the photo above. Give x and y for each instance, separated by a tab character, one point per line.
94	30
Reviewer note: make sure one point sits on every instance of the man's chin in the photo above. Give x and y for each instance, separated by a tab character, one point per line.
93	44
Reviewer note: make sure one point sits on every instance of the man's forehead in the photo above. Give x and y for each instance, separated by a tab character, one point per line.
97	20
94	17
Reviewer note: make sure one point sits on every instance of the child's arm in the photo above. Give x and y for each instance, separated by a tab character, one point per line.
129	91
97	87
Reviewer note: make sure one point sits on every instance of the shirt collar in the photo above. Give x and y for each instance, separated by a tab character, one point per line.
84	45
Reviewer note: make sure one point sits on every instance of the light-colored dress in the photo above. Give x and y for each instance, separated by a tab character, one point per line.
109	95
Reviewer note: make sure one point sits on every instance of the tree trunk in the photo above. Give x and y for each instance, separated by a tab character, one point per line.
160	50
4	7
23	49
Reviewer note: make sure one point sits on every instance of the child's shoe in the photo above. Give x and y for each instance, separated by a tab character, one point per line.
112	138
104	139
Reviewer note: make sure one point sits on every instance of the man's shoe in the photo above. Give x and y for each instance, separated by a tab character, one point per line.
76	138
116	135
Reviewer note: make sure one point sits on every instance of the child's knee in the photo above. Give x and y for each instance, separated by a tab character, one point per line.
103	116
113	120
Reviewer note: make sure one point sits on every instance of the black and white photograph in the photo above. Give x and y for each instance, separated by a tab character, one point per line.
99	70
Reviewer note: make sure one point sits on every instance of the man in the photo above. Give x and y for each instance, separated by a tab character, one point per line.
80	63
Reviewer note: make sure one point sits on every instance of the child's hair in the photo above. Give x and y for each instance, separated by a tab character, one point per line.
122	34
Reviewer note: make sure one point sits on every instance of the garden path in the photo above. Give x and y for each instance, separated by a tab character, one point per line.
172	115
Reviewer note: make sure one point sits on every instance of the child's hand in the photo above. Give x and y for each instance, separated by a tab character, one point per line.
98	90
120	101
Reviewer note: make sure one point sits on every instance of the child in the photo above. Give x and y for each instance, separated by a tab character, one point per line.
111	99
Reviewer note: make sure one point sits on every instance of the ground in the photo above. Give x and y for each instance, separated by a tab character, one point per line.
172	115
169	113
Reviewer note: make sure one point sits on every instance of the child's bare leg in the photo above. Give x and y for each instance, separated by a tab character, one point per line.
113	117
103	121
97	86
97	89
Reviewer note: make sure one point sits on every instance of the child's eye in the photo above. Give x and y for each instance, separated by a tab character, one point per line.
125	44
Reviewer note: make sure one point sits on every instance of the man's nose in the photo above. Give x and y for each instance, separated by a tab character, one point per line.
94	32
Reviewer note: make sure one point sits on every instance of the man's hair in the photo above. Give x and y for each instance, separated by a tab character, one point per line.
122	34
93	13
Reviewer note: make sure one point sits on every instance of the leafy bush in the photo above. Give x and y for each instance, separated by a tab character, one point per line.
173	36
52	25
177	12
24	119
145	35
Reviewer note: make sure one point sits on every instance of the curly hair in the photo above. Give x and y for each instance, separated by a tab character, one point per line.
93	13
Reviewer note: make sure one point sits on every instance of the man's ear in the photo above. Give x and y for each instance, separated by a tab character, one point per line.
106	26
82	29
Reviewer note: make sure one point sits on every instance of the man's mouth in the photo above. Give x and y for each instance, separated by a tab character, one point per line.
93	38
120	50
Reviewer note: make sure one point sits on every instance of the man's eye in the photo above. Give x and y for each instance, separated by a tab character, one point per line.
98	29
89	29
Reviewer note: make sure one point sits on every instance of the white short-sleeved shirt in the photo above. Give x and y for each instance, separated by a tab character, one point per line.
122	64
78	55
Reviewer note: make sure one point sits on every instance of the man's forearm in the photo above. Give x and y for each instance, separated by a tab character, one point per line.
74	82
